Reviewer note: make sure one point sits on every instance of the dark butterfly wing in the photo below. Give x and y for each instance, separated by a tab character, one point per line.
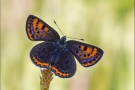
38	30
41	54
65	67
86	54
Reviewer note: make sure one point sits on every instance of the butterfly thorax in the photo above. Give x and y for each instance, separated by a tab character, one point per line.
60	45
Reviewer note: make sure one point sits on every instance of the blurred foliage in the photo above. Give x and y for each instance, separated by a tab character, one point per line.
108	24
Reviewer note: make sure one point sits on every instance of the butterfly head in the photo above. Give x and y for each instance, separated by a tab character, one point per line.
61	43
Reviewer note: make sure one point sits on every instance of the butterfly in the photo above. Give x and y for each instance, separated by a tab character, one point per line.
56	52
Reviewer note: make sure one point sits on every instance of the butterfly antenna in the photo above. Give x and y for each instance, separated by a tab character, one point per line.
76	38
58	28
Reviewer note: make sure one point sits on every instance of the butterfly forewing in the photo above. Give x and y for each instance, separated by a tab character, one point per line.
65	67
86	54
38	30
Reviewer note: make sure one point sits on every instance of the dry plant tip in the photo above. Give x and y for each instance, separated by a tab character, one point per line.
45	78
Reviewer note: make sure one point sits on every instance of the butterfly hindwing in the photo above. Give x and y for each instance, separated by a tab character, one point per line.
86	54
41	54
38	30
65	67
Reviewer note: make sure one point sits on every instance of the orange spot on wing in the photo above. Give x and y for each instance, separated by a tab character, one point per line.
40	25
88	64
35	23
88	50
38	63
46	29
95	60
93	52
60	73
82	47
29	34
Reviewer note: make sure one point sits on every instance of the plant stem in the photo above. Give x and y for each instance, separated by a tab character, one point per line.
45	78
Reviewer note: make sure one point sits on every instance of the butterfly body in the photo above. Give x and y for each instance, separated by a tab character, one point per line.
57	52
60	46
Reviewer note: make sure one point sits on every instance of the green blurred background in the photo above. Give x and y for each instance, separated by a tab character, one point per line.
108	24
